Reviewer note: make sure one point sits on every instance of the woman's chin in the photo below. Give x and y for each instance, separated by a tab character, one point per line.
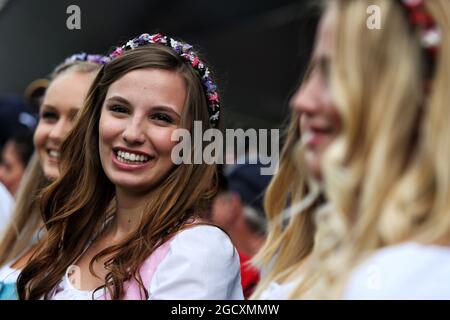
51	172
313	163
133	187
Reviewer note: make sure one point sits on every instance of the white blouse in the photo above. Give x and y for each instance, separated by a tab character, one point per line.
406	271
6	207
8	274
201	263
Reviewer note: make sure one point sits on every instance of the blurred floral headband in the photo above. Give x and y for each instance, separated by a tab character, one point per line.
430	34
83	56
422	20
185	51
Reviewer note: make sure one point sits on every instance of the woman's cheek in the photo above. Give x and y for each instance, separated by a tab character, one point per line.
108	127
40	136
163	140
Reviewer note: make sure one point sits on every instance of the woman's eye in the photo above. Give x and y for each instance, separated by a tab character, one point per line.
72	116
49	116
118	109
162	117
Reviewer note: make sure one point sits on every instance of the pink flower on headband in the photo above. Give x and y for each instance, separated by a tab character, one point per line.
156	38
117	52
214	98
195	62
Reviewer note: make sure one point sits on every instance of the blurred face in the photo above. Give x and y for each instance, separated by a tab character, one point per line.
62	100
11	168
318	119
222	210
139	114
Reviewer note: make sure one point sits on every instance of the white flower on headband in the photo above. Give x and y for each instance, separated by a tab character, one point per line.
431	38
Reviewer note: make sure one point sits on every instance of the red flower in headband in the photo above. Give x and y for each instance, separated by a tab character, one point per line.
421	19
156	38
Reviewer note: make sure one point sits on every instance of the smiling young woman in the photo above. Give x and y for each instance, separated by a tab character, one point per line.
122	220
64	97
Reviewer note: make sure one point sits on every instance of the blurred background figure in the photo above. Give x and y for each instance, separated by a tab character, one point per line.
57	102
16	115
238	209
6	205
18	120
35	91
14	159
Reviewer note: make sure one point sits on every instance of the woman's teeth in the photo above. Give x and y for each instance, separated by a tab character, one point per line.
53	154
128	157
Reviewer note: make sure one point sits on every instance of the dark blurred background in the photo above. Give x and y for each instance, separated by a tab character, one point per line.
258	48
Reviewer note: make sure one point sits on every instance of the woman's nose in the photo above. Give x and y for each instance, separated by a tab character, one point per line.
307	98
133	134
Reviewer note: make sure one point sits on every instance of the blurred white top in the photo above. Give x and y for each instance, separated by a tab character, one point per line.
6	207
406	271
201	263
276	291
8	274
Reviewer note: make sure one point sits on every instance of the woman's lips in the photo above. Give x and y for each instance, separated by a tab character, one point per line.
127	165
314	138
53	155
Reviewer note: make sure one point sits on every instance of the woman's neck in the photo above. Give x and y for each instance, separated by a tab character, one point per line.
129	210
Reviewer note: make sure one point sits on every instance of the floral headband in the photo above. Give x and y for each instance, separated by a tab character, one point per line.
83	56
185	51
422	20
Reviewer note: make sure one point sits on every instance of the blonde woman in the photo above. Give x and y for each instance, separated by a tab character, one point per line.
64	97
290	237
123	220
297	185
296	192
387	176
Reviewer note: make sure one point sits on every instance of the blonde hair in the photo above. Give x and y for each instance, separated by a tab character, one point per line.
25	218
290	200
387	176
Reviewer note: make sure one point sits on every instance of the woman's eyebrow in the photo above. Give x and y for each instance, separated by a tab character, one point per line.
118	99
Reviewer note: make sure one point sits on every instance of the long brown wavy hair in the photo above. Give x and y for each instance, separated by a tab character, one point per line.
76	206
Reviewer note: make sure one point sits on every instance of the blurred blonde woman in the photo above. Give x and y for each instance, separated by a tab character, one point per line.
297	185
69	85
386	231
290	238
296	192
